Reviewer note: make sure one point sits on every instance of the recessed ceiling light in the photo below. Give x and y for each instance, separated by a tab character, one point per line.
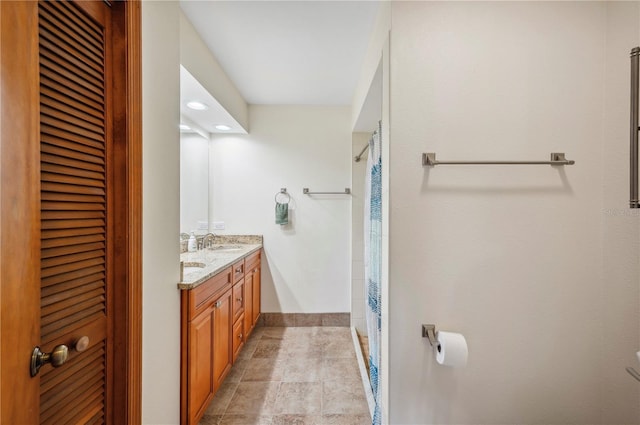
223	127
198	106
184	127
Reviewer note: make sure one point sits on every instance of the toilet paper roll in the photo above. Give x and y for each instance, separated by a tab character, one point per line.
451	349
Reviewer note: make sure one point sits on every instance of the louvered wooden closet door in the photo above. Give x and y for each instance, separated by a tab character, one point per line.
75	208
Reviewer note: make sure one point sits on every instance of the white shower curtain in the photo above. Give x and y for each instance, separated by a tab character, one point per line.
373	261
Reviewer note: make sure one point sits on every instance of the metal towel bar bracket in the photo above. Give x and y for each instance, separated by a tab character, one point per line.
633	373
557	158
429	331
306	191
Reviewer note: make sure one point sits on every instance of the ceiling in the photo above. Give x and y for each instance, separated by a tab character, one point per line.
203	121
287	52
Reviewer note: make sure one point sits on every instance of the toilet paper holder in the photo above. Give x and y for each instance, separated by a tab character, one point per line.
429	331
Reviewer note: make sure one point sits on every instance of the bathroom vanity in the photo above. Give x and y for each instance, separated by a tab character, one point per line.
220	307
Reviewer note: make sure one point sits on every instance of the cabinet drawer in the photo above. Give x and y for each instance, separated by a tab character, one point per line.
238	300
252	261
198	297
238	271
238	337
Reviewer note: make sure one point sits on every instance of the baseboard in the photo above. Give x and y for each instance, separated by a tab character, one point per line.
306	319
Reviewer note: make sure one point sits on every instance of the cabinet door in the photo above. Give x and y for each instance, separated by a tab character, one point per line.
238	300
201	340
255	283
238	337
222	349
248	304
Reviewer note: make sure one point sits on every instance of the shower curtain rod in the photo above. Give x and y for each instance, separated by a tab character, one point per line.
359	156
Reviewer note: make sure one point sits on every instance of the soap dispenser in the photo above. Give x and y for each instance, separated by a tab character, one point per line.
192	245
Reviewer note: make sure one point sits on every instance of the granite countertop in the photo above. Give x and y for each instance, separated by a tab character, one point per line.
212	261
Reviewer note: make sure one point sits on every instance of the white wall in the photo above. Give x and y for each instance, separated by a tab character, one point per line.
196	57
161	180
522	260
307	267
621	229
379	37
194	182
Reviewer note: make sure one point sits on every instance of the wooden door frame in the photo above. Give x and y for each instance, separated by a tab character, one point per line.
127	331
20	215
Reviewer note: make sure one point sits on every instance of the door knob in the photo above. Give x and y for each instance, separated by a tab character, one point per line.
57	358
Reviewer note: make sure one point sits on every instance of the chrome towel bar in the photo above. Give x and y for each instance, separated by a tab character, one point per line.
306	191
557	158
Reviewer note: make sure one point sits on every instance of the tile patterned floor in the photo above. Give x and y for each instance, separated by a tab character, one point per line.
293	376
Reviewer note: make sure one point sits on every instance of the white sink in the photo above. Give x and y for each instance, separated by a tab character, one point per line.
226	248
190	267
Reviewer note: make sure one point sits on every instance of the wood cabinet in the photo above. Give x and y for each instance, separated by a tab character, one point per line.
238	337
248	305
201	352
216	318
205	354
222	344
252	292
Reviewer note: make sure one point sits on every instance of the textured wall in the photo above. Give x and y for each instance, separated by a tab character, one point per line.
307	267
161	219
522	260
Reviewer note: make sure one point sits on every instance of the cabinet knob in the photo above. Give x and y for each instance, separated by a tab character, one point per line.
239	270
240	336
239	300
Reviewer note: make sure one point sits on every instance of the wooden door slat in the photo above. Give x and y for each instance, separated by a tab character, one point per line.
49	50
71	197
72	180
70	241
90	80
71	249
71	224
71	215
58	293
51	162
70	90
53	262
53	293
54	401
69	149
70	106
67	188
70	269
71	323
70	17
70	123
49	94
57	28
70	276
67	233
58	168
67	308
90	407
71	206
52	377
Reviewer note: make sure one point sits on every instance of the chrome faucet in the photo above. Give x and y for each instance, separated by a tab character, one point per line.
207	240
